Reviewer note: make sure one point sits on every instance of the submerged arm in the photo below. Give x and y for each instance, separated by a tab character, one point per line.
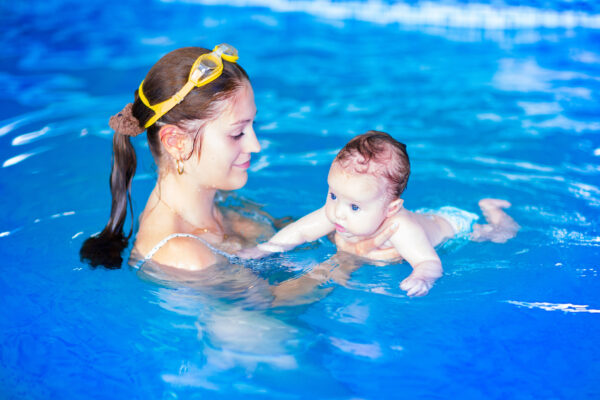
337	269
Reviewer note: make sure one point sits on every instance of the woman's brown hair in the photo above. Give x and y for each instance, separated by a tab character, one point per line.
164	79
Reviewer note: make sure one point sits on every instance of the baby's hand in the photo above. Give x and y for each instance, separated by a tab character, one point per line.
260	251
422	278
416	286
253	252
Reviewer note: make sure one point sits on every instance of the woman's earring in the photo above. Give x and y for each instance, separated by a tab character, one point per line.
179	167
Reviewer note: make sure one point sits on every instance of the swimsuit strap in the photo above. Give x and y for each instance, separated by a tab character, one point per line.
160	244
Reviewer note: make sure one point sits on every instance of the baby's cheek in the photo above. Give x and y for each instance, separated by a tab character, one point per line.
328	213
369	224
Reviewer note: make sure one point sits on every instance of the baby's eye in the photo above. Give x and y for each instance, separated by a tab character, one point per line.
355	207
333	196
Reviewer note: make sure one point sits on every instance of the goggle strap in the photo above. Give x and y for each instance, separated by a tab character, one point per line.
162	108
143	97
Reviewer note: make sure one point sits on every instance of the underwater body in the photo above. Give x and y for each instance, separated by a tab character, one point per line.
492	99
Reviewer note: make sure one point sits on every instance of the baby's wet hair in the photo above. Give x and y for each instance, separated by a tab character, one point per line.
379	154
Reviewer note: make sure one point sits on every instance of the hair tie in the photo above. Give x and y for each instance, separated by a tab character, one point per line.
125	123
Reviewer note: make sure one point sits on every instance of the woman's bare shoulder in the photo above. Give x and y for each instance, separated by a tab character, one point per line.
179	251
185	252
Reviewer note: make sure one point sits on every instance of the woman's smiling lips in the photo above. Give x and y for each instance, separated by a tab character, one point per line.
244	165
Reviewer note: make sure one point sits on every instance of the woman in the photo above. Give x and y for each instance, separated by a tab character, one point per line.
198	108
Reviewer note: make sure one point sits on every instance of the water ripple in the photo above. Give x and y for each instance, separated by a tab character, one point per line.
30	137
567	307
426	13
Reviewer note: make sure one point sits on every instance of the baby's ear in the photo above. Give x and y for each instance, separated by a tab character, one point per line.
394	207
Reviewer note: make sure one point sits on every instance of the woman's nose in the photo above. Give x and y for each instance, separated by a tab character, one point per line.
251	143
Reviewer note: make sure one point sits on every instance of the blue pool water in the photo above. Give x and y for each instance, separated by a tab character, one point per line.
492	99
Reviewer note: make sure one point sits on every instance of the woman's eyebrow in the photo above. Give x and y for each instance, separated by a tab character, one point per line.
241	122
244	121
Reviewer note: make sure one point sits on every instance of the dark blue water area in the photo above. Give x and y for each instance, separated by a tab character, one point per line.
508	113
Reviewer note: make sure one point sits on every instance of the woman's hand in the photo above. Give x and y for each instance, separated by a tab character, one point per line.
369	245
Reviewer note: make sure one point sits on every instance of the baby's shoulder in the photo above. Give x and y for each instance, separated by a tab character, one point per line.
405	217
406	222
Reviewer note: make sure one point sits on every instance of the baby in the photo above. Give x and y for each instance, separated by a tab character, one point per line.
363	205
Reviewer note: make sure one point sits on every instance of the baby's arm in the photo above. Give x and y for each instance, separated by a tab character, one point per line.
413	245
306	229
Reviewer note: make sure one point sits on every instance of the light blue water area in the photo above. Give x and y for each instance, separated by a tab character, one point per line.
492	99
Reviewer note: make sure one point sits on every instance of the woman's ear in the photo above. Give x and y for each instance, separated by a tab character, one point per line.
177	143
394	207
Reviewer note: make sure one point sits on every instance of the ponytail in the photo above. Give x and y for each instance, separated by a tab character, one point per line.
162	82
106	247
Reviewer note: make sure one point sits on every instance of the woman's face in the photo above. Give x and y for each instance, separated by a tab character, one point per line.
227	143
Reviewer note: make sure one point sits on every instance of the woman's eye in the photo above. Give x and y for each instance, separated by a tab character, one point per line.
333	196
355	207
238	136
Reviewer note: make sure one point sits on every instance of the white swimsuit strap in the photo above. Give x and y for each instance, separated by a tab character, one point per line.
160	244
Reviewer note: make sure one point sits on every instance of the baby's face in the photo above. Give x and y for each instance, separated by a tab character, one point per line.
356	204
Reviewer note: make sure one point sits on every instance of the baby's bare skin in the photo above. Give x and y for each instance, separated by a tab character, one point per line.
500	226
404	235
364	210
436	228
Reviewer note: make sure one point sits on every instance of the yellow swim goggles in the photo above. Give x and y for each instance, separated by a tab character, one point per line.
205	69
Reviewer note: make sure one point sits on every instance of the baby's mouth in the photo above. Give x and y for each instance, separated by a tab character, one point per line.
340	228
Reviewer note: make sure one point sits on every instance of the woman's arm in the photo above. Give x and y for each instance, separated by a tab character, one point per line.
337	269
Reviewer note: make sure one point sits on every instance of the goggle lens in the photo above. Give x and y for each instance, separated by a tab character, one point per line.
209	63
228	50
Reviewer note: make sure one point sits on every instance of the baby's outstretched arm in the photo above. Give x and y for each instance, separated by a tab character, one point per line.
412	243
306	229
500	226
